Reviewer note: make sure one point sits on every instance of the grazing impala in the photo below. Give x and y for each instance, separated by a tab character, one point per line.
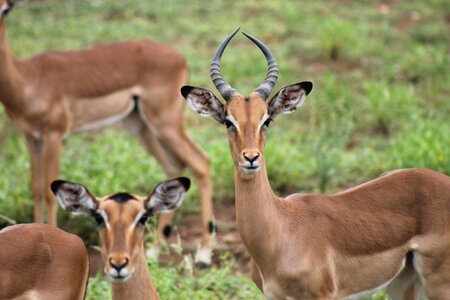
39	261
53	94
121	218
390	232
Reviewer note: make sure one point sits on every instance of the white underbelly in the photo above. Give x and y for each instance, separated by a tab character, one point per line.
99	112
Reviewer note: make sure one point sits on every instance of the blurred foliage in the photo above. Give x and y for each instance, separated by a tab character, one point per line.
380	102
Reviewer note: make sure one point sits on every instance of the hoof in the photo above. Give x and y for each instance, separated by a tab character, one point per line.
203	258
152	253
202	266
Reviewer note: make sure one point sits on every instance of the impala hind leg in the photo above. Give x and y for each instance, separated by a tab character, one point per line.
180	144
171	165
52	153
36	152
166	122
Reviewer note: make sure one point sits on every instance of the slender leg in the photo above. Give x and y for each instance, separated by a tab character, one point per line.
434	274
52	160
404	282
171	165
36	151
166	121
197	161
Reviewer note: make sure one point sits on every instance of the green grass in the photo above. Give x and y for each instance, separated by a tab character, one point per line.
380	101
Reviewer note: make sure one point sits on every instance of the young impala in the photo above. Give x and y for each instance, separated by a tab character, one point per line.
121	219
39	261
53	94
391	231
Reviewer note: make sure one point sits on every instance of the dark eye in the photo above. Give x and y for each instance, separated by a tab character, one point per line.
267	122
99	219
143	219
229	124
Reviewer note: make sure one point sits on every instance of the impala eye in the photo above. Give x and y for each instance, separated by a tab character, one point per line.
143	219
229	124
99	219
267	122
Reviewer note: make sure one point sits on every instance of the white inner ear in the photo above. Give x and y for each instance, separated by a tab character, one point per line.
290	105
166	198
75	198
205	106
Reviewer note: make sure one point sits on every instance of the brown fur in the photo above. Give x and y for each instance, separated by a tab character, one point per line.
118	243
312	246
42	261
327	247
53	94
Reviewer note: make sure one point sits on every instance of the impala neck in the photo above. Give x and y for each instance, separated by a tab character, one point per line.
256	213
139	286
10	78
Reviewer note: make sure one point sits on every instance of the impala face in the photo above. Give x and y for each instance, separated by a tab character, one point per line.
246	119
121	219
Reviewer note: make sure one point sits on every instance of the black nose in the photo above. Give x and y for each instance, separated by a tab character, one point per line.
119	266
251	159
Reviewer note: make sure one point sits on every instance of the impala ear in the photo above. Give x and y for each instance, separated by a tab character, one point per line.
168	195
289	98
74	197
204	102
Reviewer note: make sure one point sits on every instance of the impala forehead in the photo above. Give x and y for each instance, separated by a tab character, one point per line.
243	111
121	210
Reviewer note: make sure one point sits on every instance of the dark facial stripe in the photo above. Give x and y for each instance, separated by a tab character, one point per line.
121	197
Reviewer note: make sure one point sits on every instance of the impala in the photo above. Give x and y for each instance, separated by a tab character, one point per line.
53	94
121	219
391	231
39	261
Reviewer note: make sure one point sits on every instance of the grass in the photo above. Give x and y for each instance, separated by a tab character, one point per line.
380	101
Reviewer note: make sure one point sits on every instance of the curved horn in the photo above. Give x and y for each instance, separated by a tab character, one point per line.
222	86
272	74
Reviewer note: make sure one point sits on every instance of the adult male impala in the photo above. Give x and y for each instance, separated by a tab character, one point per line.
121	218
55	93
388	232
39	261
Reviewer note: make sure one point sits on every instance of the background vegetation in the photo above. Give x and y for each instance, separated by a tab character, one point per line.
380	70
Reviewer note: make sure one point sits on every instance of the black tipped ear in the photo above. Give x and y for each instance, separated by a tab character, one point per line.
185	90
204	102
168	195
307	86
55	185
289	98
185	182
74	197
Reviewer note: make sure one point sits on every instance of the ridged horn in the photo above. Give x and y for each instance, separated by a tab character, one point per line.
272	74
222	86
